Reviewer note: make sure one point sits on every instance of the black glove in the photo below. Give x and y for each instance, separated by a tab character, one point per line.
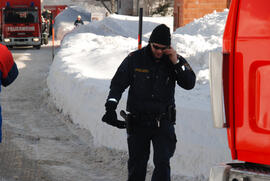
110	106
110	117
110	114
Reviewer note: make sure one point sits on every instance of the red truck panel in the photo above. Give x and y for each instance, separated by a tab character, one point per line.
21	30
250	61
19	2
228	73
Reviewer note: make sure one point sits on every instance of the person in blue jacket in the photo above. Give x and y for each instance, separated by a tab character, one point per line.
151	74
8	73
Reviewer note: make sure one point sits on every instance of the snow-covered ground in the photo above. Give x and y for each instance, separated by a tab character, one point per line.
80	75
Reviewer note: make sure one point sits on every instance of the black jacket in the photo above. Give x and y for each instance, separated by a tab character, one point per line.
77	22
152	84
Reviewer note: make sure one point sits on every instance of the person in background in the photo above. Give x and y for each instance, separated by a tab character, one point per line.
151	74
8	73
78	21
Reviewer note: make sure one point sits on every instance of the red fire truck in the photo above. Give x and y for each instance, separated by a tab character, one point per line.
240	91
21	23
55	9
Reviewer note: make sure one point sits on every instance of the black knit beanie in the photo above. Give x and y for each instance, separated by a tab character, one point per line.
161	35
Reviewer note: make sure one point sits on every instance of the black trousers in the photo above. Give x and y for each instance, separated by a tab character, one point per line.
164	141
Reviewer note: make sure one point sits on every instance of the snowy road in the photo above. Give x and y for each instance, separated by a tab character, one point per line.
39	142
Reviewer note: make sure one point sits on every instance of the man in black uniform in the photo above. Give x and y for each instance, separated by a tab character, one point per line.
151	74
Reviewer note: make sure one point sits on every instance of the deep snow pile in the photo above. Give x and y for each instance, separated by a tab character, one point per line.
82	3
88	58
64	22
95	7
113	25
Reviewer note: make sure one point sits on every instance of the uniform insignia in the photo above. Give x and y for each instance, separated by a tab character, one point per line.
141	70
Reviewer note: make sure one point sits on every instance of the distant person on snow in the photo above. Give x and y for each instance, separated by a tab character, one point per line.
151	74
8	73
78	21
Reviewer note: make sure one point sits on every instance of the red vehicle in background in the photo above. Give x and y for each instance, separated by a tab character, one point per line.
240	91
55	9
21	23
49	13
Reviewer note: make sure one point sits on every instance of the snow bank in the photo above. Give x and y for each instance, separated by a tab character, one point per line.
89	56
64	22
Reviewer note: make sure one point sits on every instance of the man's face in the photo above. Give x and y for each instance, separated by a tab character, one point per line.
158	50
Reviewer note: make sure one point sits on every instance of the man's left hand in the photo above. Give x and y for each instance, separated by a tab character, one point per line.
110	117
172	54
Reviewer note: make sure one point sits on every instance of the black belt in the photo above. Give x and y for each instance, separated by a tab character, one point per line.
148	119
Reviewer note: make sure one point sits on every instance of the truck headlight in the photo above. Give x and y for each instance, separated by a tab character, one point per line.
36	39
7	40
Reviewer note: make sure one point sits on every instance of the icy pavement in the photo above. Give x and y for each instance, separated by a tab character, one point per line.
39	142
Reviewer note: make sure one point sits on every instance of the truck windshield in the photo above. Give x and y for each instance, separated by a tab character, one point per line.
20	15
